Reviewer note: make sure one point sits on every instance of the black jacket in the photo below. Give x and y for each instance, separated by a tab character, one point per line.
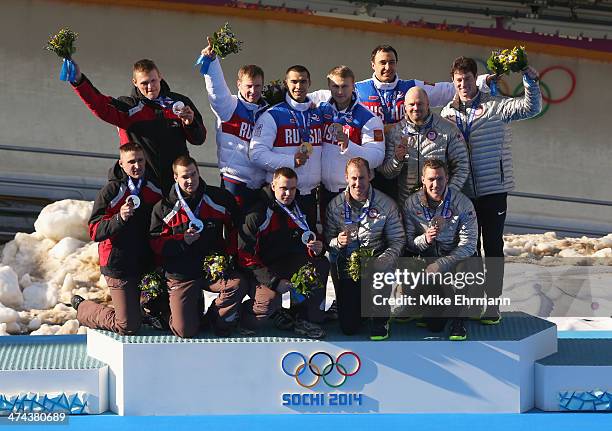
123	245
169	221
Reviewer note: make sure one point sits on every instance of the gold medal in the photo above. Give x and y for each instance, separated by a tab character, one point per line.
306	148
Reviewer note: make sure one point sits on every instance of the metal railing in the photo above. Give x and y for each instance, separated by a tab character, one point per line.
77	153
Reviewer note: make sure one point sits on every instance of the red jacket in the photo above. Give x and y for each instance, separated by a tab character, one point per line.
123	245
158	130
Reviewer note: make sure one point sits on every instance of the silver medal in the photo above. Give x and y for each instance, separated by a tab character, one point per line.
134	199
196	224
178	107
308	236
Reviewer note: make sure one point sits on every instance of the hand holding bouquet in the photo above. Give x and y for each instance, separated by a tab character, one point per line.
63	45
508	60
305	280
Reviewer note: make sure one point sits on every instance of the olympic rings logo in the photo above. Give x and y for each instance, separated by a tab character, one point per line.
320	366
547	96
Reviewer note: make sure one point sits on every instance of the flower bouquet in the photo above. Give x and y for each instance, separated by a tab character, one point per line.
353	268
224	42
304	282
151	286
217	266
62	44
274	92
505	61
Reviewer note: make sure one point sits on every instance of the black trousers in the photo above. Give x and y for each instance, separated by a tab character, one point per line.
348	299
491	214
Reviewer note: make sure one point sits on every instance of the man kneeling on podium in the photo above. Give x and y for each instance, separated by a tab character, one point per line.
361	218
441	223
275	242
197	221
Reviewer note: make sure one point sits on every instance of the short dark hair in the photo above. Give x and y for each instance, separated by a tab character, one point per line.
357	161
299	69
434	164
464	65
130	146
284	172
184	161
250	70
144	65
383	48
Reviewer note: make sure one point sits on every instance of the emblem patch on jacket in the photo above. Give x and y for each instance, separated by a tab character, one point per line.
379	136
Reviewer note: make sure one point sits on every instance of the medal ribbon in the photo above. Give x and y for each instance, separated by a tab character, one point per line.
384	103
348	219
134	189
445	207
468	127
184	205
305	130
299	218
164	102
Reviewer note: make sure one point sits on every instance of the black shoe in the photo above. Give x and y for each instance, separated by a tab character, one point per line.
283	319
76	301
492	316
457	331
379	332
332	312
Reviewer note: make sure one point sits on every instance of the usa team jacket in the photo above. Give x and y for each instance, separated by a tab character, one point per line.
276	139
169	221
267	237
235	121
370	90
366	139
123	245
157	129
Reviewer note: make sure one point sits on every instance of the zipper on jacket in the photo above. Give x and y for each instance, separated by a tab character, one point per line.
501	170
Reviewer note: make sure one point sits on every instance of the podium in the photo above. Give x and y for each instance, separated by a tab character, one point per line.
509	368
414	371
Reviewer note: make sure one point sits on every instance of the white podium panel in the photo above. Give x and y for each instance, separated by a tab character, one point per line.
414	371
577	378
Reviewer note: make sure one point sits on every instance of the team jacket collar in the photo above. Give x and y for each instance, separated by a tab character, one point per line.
385	85
301	107
163	92
423	196
262	104
414	128
173	198
269	193
368	201
349	108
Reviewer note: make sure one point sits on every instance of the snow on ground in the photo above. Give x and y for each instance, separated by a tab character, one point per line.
40	272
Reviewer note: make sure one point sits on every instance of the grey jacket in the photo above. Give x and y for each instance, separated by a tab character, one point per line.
457	238
438	138
489	143
381	229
